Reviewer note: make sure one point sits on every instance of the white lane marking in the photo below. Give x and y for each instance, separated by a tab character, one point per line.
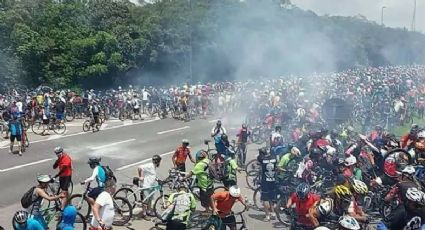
82	133
173	130
212	121
103	126
53	137
112	144
25	165
140	162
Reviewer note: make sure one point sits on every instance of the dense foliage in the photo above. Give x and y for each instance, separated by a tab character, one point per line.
67	43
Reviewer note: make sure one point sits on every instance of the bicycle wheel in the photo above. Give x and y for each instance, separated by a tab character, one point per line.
81	204
38	128
253	179
257	200
123	211
123	115
281	212
59	128
128	194
196	192
69	116
160	205
86	126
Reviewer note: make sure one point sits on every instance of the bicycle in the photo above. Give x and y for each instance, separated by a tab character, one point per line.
242	222
91	124
241	150
122	207
173	181
135	196
58	127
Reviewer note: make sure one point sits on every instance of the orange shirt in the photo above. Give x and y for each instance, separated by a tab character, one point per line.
65	161
181	155
224	202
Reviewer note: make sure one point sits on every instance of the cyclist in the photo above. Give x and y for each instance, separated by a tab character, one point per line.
243	135
406	181
39	194
95	111
268	181
99	175
21	221
68	218
64	163
103	209
230	169
148	176
320	211
200	170
346	205
284	161
346	222
184	204
180	156
218	129
15	129
222	144
303	200
349	164
276	138
222	203
408	215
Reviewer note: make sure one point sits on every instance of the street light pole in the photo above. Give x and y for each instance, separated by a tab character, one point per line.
190	43
382	15
414	16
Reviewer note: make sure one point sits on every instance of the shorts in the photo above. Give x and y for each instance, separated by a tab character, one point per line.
94	193
229	220
268	191
59	116
205	197
146	193
174	225
64	183
13	137
181	167
229	183
46	121
136	111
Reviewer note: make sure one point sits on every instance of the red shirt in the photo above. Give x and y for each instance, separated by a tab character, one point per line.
302	207
65	162
181	155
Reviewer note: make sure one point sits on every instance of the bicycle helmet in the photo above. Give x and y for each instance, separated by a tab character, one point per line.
156	158
415	195
295	151
359	187
325	206
58	150
94	160
224	137
408	170
349	161
343	193
201	154
421	135
348	222
302	191
185	141
390	167
330	151
21	217
235	191
322	228
44	179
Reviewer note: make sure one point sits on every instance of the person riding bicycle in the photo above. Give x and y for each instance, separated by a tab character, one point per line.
242	135
268	181
95	111
218	129
344	204
409	215
408	140
320	211
69	215
99	175
15	130
180	156
222	203
22	221
64	163
284	161
148	176
276	139
222	144
406	181
230	170
347	222
203	180
303	200
184	204
40	193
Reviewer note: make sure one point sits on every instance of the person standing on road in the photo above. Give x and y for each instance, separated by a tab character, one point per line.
218	129
204	182
185	204
180	156
268	181
60	110
64	164
136	103
148	177
15	129
145	99
103	209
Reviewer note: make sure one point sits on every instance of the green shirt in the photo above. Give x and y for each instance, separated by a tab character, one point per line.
284	161
185	203
358	174
230	170
201	172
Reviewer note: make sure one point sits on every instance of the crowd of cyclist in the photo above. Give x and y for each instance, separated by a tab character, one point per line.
298	150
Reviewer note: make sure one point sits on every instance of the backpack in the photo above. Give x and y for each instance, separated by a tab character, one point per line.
26	200
95	109
109	175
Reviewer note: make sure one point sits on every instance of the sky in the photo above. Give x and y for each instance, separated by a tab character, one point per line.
397	14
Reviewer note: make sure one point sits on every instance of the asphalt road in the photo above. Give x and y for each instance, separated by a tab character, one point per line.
122	145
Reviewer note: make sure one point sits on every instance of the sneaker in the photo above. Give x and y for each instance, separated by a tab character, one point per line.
266	219
272	215
20	153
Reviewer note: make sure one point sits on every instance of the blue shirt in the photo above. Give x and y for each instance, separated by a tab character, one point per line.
15	128
31	225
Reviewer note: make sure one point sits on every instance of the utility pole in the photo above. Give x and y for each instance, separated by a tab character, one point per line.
190	43
382	15
414	16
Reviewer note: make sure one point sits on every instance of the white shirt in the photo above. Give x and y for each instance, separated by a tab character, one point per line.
145	95
93	177
149	175
106	211
19	105
220	132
